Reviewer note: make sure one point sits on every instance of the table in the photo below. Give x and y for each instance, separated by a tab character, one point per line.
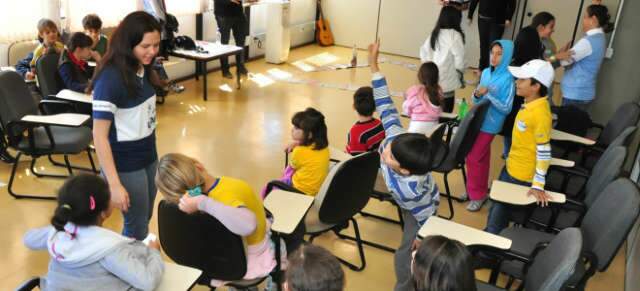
517	194
565	136
211	52
467	235
288	210
177	277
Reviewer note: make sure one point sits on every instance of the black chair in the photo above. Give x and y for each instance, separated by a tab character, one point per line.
342	195
548	268
200	241
605	227
608	169
36	139
459	145
49	79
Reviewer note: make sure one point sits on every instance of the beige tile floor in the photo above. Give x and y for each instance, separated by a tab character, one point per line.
241	134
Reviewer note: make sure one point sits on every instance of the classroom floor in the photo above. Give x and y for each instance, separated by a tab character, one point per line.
242	134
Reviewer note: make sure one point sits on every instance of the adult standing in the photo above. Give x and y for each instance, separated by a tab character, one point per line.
493	17
230	18
445	47
124	113
582	62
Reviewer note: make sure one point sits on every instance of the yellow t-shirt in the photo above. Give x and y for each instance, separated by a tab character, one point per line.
41	50
530	151
311	166
237	193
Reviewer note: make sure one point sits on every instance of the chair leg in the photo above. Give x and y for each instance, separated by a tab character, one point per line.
64	165
359	243
464	175
449	198
14	169
93	165
43	175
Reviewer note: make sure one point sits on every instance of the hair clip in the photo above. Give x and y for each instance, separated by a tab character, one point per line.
195	191
92	203
66	206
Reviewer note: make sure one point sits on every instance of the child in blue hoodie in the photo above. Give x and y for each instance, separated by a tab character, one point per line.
496	86
86	256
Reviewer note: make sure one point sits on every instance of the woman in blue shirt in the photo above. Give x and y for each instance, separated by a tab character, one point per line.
124	116
582	62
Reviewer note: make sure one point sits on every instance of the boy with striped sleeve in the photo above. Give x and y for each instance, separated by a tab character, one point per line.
406	161
530	153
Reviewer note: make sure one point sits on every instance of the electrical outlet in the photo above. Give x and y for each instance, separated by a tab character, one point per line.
609	53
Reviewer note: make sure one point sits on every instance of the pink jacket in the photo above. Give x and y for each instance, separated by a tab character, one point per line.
418	107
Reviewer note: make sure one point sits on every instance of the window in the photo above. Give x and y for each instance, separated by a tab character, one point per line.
19	19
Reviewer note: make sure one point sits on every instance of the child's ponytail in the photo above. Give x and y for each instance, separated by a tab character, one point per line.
81	200
62	216
429	76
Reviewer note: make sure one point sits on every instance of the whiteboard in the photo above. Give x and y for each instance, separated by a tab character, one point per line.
352	21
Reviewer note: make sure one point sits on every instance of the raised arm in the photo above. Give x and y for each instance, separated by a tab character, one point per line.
384	104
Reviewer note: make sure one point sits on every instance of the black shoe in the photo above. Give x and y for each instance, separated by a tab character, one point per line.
6	157
243	71
227	75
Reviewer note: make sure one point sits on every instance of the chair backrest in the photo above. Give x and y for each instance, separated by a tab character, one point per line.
440	148
608	222
626	115
200	241
607	169
466	134
625	137
47	73
15	99
346	189
553	266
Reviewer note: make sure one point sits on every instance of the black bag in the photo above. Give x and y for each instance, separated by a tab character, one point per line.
184	42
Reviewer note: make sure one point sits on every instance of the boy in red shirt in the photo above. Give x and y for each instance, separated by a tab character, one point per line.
367	133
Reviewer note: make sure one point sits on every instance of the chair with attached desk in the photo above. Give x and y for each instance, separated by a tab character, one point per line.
35	135
200	241
459	145
548	268
342	195
605	226
47	74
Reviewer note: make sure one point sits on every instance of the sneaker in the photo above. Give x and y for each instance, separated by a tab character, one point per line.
176	88
464	196
227	75
475	205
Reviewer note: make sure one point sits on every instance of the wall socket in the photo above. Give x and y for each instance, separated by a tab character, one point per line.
609	53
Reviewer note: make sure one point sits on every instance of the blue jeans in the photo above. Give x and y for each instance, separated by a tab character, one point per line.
499	213
580	104
507	147
142	194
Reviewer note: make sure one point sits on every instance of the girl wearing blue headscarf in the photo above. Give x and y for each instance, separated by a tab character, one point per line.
497	87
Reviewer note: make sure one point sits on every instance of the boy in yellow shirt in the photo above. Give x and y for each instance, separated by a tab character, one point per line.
530	153
49	37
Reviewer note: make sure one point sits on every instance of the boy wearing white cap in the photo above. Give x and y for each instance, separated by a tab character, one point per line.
530	153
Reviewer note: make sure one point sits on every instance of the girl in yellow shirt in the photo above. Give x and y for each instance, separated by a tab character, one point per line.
184	181
309	161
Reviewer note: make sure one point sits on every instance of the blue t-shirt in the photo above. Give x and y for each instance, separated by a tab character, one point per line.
132	134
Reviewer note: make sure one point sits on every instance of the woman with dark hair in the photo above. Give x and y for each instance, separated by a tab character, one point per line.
442	264
124	113
445	47
545	23
582	62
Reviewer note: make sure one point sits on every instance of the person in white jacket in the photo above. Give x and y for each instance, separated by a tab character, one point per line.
445	47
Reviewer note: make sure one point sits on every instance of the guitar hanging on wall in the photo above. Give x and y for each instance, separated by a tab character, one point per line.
323	31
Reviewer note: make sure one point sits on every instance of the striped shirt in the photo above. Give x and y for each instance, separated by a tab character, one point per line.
417	194
530	153
365	136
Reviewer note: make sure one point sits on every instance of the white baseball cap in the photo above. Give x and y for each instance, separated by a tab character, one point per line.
540	70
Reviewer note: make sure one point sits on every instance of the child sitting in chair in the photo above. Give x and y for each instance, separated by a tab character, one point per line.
367	133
